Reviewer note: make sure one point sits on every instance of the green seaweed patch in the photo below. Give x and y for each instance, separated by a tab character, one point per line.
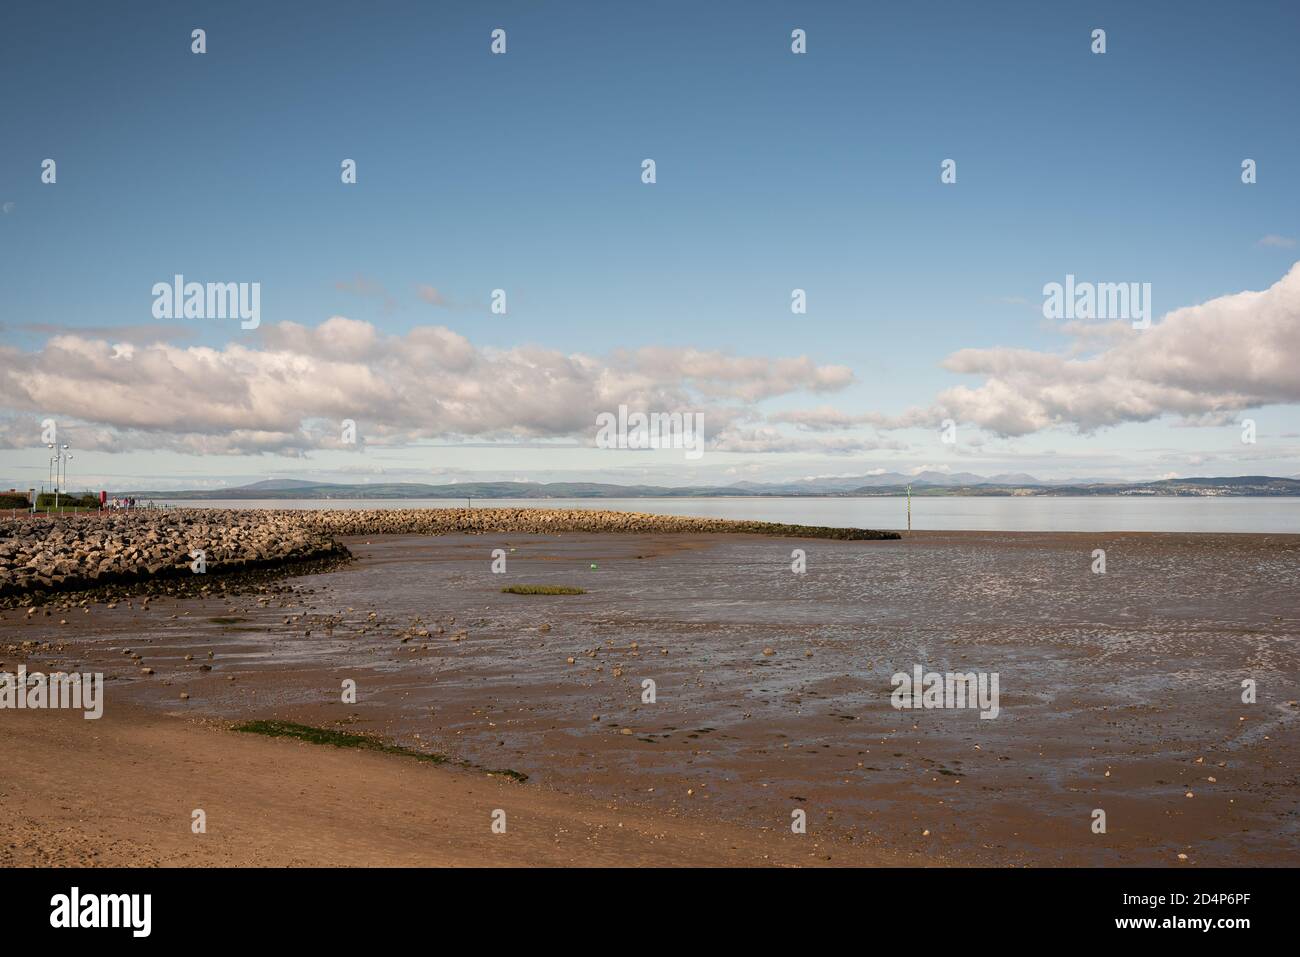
543	590
346	739
508	773
340	739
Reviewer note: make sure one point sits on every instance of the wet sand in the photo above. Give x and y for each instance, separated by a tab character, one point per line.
1136	672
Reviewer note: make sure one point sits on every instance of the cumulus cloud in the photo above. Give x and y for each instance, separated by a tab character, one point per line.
750	379
824	418
1274	240
288	388
1203	363
150	332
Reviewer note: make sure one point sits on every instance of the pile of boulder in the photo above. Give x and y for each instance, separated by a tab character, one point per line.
87	550
446	521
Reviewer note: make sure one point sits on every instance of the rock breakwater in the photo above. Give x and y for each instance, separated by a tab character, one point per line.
67	553
542	521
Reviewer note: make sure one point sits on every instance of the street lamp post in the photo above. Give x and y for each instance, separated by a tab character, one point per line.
67	457
58	468
53	464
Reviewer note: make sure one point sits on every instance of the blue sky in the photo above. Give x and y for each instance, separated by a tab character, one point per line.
522	172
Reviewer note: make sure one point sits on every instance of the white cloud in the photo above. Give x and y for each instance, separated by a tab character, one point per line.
1202	363
287	390
824	419
152	332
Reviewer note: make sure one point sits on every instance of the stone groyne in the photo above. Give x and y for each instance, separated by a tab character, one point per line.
66	553
544	521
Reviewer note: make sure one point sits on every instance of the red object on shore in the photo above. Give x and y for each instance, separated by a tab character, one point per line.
103	498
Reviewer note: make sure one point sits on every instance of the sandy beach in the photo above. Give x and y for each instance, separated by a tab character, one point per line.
1119	692
123	794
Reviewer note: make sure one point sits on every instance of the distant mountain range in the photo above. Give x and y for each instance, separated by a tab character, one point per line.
884	484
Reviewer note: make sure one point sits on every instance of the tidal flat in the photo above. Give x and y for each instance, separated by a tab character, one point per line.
770	689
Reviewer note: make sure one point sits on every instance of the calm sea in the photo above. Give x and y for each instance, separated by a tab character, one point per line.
1081	514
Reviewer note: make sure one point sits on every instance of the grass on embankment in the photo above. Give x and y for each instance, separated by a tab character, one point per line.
344	739
543	590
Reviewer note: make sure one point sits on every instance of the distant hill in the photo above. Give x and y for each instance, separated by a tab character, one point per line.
1242	485
852	483
279	485
889	483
